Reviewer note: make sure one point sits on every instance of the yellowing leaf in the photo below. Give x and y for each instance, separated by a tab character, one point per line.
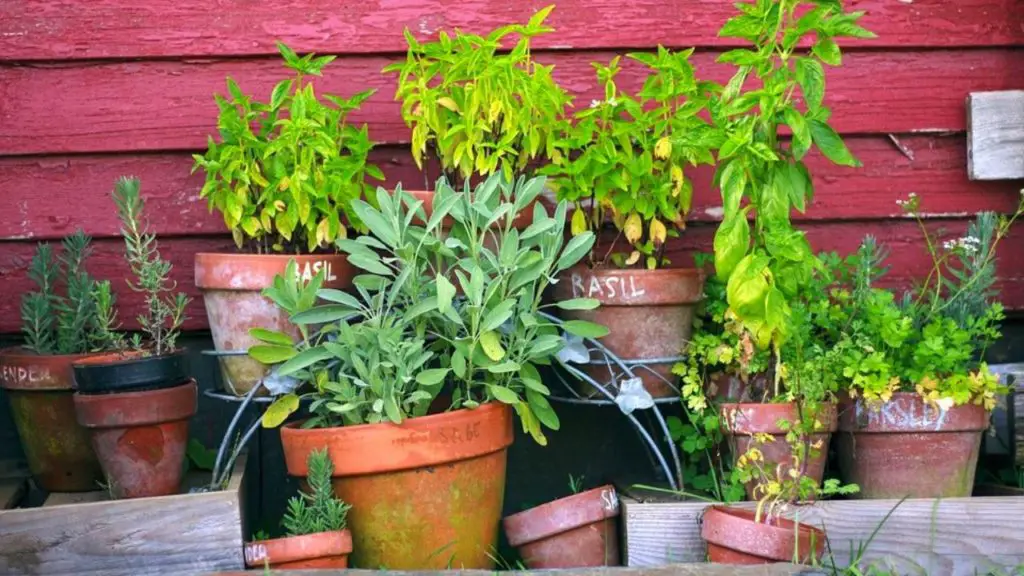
633	228
279	411
658	232
677	180
322	232
663	148
634	257
579	222
490	341
280	206
448	103
495	111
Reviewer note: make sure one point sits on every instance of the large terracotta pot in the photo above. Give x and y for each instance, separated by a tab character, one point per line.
733	537
908	447
40	390
573	532
425	494
140	437
741	421
649	315
320	550
232	286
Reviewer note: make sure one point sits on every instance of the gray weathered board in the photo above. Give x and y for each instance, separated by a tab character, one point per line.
995	135
951	537
81	534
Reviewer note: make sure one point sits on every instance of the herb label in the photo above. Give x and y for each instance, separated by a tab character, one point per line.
448	435
255	552
610	500
896	414
311	269
14	375
610	287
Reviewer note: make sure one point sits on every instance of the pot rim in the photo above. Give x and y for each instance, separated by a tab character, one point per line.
562	515
297	548
658	287
746	418
758	538
131	409
259	269
415	443
909	413
123	358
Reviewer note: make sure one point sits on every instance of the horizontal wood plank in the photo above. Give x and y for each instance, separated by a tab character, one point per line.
168	105
11	491
995	135
954	536
51	196
56	30
908	261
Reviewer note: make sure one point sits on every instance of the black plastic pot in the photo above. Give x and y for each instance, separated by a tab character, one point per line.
115	373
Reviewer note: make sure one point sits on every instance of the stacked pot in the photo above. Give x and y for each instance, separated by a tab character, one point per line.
136	409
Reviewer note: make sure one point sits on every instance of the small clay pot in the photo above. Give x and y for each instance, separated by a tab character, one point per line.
140	437
649	315
40	389
909	447
426	494
232	286
741	421
573	532
733	537
129	372
320	550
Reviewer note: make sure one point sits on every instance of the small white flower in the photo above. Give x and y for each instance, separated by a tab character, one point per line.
278	384
612	102
633	396
574	350
595	103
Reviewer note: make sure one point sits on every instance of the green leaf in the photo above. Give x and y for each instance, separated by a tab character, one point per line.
793	182
459	364
281	91
324	314
504	367
498	315
575	250
303	360
339	297
831	145
432	376
536	228
391	409
826	49
445	293
732	240
811	77
371	264
776	310
585	329
579	304
732	183
422	307
747	286
271	354
491	344
543	410
280	410
801	132
271	337
502	394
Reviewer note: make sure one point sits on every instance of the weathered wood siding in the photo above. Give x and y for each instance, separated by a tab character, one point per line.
93	90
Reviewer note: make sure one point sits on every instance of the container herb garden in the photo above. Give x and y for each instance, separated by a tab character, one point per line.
136	400
623	162
479	107
919	393
316	536
767	266
576	531
413	382
60	323
282	175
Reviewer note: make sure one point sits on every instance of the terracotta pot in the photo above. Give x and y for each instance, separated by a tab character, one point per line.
573	532
907	447
40	390
232	286
741	421
321	550
140	437
733	537
724	387
649	314
129	372
425	494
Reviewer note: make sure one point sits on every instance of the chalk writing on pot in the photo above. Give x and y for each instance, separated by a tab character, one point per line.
311	269
255	553
15	375
902	415
587	286
610	499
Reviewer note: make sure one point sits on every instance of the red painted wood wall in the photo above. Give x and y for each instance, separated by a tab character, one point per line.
94	89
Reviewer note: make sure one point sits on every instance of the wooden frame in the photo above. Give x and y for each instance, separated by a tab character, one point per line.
950	536
77	533
995	135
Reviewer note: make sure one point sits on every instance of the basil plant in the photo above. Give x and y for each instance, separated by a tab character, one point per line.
448	299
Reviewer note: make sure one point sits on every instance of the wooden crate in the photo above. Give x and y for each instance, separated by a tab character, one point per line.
85	533
951	537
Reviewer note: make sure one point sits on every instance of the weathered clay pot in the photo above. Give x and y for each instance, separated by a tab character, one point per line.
118	372
649	315
321	550
40	390
908	447
573	532
733	537
425	494
140	437
741	421
232	286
